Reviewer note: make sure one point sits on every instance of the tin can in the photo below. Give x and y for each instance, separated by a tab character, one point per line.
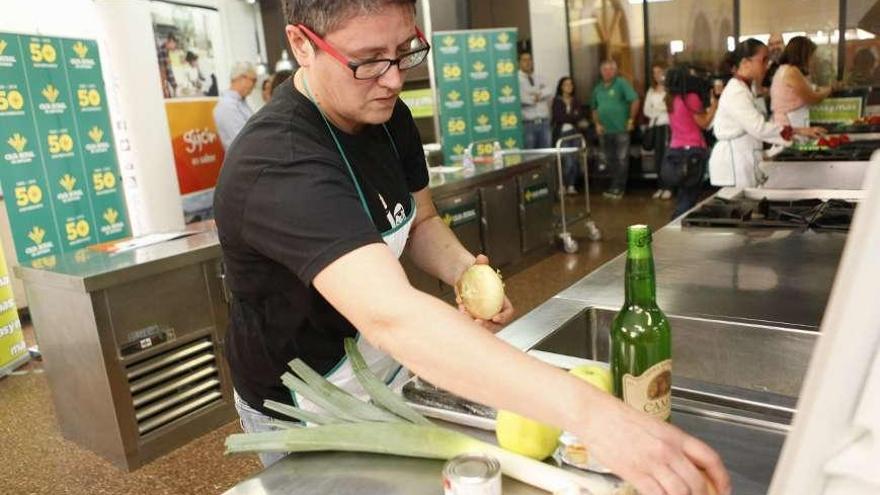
472	474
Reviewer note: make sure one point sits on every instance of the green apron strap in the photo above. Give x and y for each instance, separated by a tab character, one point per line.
345	157
357	186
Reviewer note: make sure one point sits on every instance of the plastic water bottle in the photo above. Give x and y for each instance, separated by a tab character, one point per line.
497	156
467	159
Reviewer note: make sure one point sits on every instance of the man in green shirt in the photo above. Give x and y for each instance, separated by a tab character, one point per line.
615	106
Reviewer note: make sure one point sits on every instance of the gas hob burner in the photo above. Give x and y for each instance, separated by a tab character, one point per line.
832	215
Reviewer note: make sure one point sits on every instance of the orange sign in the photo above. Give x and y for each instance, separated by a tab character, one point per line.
198	153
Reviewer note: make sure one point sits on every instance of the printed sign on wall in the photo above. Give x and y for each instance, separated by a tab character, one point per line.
187	40
478	90
13	349
198	153
842	110
59	172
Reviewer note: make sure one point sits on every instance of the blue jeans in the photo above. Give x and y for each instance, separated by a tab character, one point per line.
253	421
616	149
661	138
570	168
537	134
684	168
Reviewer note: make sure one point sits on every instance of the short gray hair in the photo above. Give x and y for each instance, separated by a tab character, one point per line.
323	16
608	62
241	69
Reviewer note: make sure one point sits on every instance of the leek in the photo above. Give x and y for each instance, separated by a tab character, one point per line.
300	414
322	386
326	403
412	436
377	390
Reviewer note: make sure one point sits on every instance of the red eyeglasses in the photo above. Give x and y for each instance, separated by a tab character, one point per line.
372	69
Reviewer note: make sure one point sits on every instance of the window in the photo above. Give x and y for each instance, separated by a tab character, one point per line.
816	19
862	60
695	32
600	29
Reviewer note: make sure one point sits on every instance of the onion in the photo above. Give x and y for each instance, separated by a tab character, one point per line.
481	291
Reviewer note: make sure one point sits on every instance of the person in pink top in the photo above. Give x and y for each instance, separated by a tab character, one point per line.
791	93
685	162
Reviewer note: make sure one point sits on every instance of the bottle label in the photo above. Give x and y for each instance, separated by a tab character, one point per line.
650	392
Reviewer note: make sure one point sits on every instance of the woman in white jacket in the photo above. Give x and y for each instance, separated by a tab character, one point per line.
741	128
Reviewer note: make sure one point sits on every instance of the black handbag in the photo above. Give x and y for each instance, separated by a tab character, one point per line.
649	136
684	167
648	139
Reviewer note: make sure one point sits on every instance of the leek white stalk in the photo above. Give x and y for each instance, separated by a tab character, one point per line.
404	439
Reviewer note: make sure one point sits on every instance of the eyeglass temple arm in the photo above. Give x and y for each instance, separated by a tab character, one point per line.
323	45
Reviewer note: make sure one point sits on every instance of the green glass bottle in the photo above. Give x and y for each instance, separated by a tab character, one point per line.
641	343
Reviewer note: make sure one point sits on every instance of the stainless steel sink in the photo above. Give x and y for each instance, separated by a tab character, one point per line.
750	356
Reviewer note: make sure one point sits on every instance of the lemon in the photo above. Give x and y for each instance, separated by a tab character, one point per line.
526	436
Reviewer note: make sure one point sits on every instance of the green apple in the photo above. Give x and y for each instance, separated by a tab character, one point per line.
598	376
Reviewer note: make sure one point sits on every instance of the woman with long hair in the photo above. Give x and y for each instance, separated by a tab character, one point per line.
739	125
567	120
658	125
791	93
685	162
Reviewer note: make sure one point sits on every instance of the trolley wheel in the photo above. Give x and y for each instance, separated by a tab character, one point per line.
593	232
569	245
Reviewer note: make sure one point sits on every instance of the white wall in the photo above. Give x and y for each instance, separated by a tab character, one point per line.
549	39
137	107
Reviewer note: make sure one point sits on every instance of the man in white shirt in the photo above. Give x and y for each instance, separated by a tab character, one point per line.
535	96
232	112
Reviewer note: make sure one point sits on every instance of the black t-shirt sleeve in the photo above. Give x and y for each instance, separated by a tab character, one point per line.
409	143
305	216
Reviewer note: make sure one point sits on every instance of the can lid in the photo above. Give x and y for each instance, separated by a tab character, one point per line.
473	468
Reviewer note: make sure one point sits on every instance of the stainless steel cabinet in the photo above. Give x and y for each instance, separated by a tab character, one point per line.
500	222
536	208
462	214
133	345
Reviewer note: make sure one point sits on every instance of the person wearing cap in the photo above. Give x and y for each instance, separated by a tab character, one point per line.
232	111
320	195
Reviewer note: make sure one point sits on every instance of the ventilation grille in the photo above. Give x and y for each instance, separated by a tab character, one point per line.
174	384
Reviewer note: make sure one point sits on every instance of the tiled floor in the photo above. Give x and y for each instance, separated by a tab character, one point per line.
35	459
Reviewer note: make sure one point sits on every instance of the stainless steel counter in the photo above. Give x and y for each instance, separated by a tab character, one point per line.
766	276
744	448
816	174
744	306
87	270
446	183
